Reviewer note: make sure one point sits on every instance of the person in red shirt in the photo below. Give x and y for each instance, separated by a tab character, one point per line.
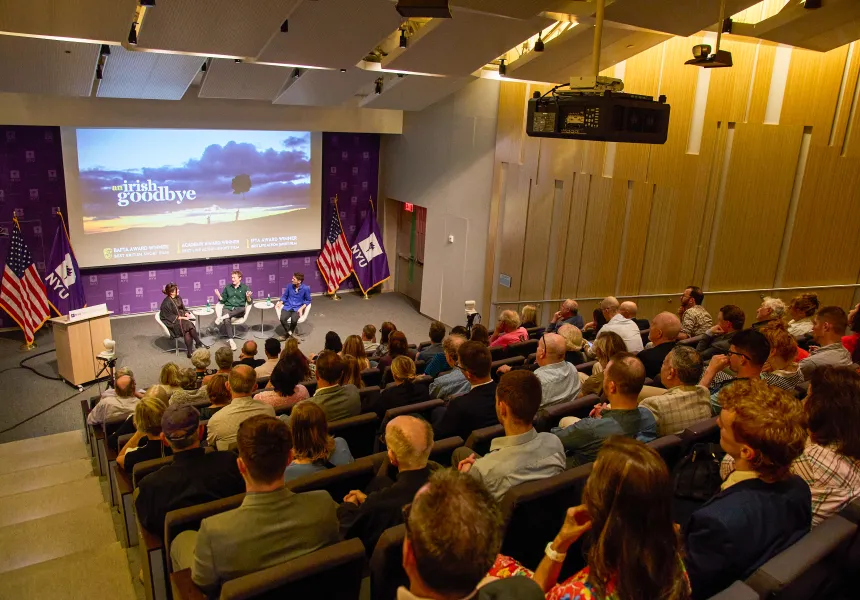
508	330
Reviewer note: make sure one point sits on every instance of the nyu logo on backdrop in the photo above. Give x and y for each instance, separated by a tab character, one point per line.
108	294
260	265
210	299
34	194
138	292
153	305
222	282
285	262
209	270
152	275
248	280
126	308
235	266
37	231
14	174
30	156
94	279
271	279
183	272
307	260
123	276
52	174
196	286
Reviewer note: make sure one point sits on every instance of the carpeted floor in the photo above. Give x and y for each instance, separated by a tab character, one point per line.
140	345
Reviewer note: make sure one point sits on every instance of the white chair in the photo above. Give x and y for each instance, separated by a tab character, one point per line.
169	333
301	320
219	308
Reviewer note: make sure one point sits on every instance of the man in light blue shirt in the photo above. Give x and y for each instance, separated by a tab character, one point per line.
293	303
453	383
523	454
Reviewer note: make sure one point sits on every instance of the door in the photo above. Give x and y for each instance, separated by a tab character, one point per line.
411	227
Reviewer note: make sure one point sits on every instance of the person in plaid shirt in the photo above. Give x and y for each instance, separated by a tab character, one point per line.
684	402
695	319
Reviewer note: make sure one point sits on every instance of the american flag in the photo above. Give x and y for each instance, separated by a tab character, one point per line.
335	260
22	293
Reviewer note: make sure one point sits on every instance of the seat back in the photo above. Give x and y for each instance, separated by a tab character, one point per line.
386	565
513	361
851	568
310	386
533	513
183	519
645	333
737	591
423	345
810	568
692	341
424	380
535	332
523	348
334	572
368	395
443	449
669	447
422	409
498	353
142	469
419	366
262	382
586	367
371	377
161	324
705	430
339	481
358	432
547	418
479	440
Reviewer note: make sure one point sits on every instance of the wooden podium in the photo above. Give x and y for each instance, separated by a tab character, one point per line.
78	344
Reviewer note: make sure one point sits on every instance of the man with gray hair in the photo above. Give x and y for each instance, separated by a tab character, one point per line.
684	402
628	310
454	382
568	314
120	402
365	515
559	380
624	327
770	309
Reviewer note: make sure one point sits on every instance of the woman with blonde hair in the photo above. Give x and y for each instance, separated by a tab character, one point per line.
630	557
508	330
353	346
573	344
314	449
169	377
781	367
403	391
145	444
605	347
351	372
528	316
801	309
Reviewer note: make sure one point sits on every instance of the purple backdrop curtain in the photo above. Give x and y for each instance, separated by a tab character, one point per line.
31	183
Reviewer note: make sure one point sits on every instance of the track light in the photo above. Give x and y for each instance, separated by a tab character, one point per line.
203	67
98	72
132	35
377	87
149	3
237	60
296	73
285	26
343	70
539	44
812	4
105	50
404	41
502	69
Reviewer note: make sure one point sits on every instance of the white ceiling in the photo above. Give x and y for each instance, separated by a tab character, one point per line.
177	36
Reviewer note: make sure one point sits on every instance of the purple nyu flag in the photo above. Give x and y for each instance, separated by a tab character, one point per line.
368	254
62	277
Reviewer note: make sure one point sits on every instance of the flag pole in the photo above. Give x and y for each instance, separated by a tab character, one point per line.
26	346
373	210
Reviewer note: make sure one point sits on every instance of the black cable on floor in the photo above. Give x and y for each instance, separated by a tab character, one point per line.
21	365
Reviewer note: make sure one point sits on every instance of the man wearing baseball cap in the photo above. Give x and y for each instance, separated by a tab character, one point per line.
195	476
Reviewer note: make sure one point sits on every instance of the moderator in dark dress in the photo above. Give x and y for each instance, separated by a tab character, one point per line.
171	310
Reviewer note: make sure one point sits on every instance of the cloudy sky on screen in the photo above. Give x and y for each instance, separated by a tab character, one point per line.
278	163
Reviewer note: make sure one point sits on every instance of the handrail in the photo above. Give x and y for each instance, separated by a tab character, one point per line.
772	289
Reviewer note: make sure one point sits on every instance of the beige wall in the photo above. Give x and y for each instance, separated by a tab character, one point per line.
770	197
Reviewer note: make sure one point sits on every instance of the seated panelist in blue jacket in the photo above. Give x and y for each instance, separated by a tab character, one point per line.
293	303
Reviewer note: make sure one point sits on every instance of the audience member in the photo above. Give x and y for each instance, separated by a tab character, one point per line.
224	362
558	378
286	389
351	372
145	444
454	382
169	377
718	338
628	310
397	346
248	355
630	556
573	344
684	402
332	342
224	424
365	515
605	347
460	330
828	327
595	325
801	309
781	368
403	392
508	330
200	360
771	308
190	393
314	449
272	348
480	334
568	314
617	323
528	316
385	330
337	401
476	408
291	348
119	404
353	346
453	534
762	508
663	335
368	338
523	454
747	354
623	380
437	334
695	319
273	524
438	362
194	476
850	341
219	396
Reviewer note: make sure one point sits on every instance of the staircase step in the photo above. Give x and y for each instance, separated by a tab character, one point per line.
50	501
97	573
31	455
55	536
47	476
45	442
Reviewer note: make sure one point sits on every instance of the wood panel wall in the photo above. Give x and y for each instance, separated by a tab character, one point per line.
757	205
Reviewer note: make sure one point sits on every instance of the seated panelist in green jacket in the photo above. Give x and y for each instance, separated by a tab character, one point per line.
234	298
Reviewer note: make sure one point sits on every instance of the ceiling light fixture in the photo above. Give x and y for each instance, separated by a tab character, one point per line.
203	67
105	50
148	3
98	72
812	4
377	87
539	44
285	26
296	73
237	60
502	69
343	70
132	35
404	41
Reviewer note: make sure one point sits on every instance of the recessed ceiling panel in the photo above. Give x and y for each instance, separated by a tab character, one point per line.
332	33
462	45
670	16
247	81
37	66
317	87
217	27
97	20
519	9
415	92
151	75
835	24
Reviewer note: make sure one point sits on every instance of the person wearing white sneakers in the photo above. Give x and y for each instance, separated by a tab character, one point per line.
234	298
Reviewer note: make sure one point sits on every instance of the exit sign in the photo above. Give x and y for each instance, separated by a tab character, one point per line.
408	207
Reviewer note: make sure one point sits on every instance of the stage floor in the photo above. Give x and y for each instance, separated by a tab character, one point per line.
141	345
